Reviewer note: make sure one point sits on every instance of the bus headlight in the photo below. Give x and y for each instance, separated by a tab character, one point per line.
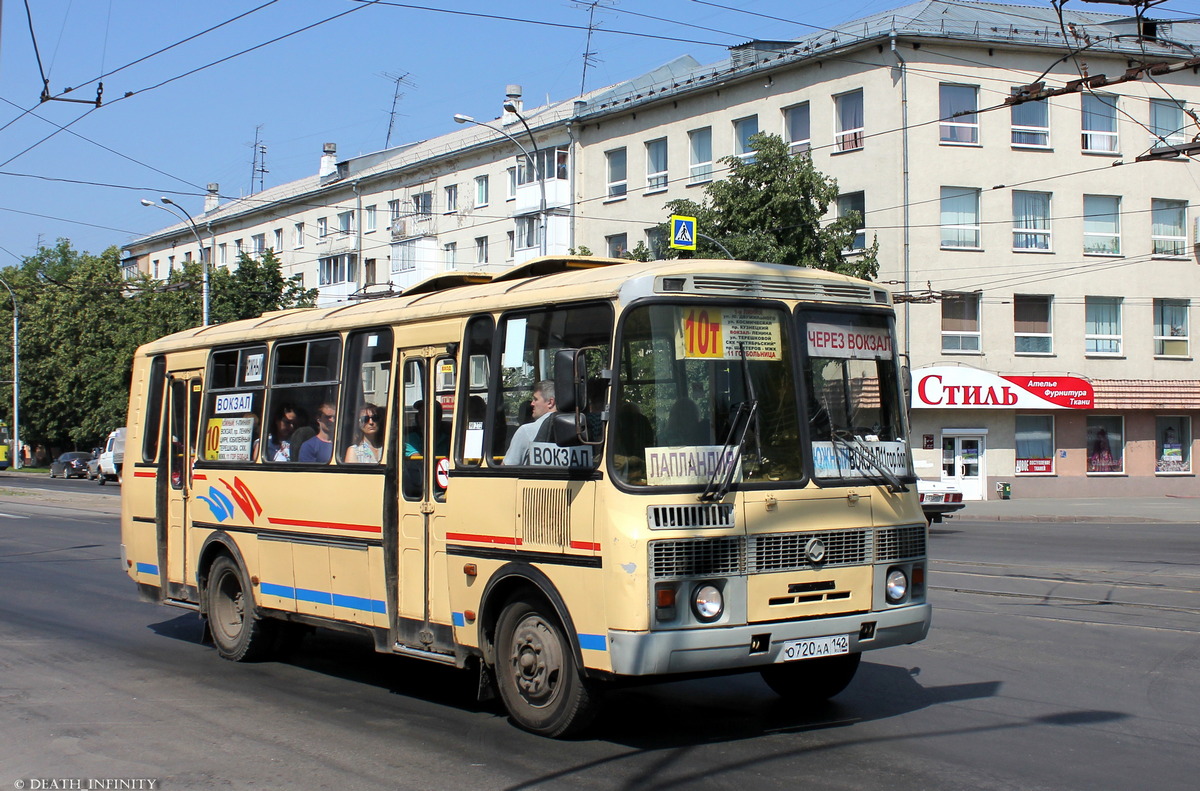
896	586
707	602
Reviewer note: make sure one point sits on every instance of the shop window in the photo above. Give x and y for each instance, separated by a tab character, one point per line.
1171	328
1032	333
1173	443
1105	444
1035	444
960	323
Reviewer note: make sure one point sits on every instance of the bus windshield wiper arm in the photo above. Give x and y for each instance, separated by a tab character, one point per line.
860	452
742	418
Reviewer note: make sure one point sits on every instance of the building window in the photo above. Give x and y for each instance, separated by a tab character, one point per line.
1035	445
743	130
404	256
960	217
1106	444
960	323
393	211
369	221
616	172
797	127
855	203
848	109
527	232
1032	324
1031	124
1173	443
512	184
617	245
656	165
700	155
1031	221
154	268
1167	123
345	221
481	190
297	241
258	243
481	250
656	242
512	245
451	193
960	123
1102	325
370	272
423	204
1101	225
322	230
1171	337
278	239
336	269
1168	227
1100	124
450	254
223	254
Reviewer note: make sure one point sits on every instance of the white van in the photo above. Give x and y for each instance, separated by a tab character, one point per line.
112	457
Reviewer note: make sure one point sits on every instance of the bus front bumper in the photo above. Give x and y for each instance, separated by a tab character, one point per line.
754	645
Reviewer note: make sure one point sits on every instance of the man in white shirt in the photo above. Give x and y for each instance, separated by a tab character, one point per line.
522	441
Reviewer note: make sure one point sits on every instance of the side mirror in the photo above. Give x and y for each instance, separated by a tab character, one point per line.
570	378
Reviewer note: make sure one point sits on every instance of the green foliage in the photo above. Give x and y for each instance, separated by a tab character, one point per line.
80	322
771	208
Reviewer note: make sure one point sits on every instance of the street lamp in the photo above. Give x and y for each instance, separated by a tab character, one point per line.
459	118
203	261
16	456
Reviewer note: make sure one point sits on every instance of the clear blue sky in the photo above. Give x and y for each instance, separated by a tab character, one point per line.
333	82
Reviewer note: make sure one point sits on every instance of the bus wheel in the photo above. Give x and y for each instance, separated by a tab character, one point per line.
237	634
812	680
539	681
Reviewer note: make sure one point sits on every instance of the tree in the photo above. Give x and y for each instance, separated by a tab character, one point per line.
771	208
81	322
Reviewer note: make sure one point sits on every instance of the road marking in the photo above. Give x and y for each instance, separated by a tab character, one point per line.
15	516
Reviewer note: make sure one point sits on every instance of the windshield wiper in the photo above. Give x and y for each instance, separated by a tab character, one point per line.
859	450
714	492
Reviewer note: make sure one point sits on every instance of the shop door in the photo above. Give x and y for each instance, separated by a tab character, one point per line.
962	464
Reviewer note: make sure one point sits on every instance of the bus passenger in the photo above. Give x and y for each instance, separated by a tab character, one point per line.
542	404
319	449
368	437
414	440
279	438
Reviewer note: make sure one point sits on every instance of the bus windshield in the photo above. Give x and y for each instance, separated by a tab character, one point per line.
707	392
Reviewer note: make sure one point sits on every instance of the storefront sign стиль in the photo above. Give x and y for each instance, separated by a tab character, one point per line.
954	387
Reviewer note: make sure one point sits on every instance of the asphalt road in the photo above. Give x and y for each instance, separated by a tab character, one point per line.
1061	657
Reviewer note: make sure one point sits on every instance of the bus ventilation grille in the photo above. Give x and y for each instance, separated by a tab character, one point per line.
900	543
697	557
666	517
784	288
545	517
785	551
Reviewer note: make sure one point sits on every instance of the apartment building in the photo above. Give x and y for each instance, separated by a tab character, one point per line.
1042	254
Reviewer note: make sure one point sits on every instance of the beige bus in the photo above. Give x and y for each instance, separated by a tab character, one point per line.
575	473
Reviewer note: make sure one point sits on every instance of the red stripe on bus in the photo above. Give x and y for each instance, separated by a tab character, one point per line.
145	474
199	477
483	539
585	545
334	525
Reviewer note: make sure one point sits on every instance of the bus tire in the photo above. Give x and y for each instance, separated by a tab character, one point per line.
238	634
536	672
812	680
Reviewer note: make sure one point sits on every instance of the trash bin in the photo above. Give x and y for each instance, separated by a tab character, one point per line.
1005	490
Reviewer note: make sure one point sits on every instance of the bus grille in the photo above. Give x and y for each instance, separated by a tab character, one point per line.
772	552
786	288
900	543
663	517
785	551
697	557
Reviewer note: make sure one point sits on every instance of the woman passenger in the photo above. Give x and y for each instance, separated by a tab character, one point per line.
368	437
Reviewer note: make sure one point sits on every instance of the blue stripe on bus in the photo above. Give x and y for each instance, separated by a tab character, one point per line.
147	568
321	597
458	619
593	642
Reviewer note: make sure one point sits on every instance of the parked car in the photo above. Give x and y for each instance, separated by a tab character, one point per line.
939	499
93	464
72	464
112	457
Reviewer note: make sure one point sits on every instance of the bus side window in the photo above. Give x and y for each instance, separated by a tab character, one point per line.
473	410
305	378
412	419
363	426
154	402
233	405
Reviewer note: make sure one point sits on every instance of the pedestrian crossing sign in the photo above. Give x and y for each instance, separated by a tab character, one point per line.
683	232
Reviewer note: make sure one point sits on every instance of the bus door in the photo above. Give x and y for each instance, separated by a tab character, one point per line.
426	399
183	413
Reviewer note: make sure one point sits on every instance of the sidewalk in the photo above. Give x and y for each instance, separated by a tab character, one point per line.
1084	509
